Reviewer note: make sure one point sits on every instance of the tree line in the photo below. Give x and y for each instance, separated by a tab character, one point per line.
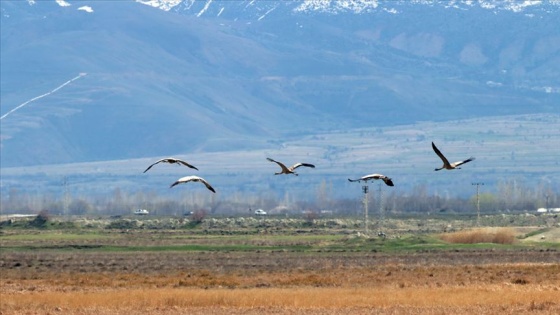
510	195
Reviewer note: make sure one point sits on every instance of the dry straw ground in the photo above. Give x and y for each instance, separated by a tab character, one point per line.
485	235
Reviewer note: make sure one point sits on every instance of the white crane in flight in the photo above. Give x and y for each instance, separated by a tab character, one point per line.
291	169
193	178
446	164
388	181
171	161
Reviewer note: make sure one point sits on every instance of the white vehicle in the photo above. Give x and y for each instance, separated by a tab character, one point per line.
141	212
260	212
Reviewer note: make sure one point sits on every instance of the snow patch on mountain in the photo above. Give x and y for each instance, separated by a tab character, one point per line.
63	3
357	6
515	6
267	12
165	5
86	8
206	6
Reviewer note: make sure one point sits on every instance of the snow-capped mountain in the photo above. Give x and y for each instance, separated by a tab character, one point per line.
217	7
104	80
259	9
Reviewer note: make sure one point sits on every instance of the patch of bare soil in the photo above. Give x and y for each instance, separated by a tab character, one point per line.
549	235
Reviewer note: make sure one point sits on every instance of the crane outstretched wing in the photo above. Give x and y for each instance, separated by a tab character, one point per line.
187	179
172	161
293	167
441	156
282	166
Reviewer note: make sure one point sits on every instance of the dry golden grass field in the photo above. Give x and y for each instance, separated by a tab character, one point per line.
108	272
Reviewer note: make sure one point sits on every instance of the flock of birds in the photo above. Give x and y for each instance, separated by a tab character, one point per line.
291	170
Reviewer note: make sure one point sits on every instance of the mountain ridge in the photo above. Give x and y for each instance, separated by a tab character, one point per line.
342	6
165	83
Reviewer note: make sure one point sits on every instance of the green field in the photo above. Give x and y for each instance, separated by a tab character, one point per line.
244	234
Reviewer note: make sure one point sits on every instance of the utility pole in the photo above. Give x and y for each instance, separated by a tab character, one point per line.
381	210
477	203
66	202
547	211
365	189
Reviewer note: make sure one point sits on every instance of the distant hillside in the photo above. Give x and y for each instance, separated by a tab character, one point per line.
509	149
178	82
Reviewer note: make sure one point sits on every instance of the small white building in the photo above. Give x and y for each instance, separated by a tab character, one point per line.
544	210
141	212
260	212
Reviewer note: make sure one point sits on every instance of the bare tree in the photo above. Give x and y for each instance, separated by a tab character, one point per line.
324	193
79	206
198	216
